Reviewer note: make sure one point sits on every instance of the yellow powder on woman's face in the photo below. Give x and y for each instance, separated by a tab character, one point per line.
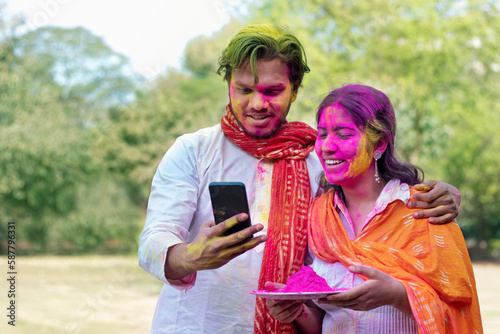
363	159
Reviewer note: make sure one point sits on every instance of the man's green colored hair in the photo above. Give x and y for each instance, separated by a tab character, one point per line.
264	41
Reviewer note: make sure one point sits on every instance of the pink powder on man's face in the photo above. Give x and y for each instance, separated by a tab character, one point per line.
306	280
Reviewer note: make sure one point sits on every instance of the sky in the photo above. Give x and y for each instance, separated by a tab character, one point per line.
152	33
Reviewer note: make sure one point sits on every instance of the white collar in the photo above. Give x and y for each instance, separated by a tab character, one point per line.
394	190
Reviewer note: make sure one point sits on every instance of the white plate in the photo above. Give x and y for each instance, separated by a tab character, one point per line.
295	295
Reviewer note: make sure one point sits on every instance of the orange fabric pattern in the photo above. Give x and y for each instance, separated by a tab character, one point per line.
286	245
431	261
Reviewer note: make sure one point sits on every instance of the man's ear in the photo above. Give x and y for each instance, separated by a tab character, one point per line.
295	87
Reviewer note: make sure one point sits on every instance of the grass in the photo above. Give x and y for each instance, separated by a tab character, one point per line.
111	294
84	294
488	290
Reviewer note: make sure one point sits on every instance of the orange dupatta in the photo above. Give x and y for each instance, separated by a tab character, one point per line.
431	261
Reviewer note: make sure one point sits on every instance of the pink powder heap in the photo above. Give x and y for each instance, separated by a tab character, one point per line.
306	280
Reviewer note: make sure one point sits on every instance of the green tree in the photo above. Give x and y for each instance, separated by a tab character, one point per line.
43	153
54	101
87	69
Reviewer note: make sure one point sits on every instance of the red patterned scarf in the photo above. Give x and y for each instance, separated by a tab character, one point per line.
290	198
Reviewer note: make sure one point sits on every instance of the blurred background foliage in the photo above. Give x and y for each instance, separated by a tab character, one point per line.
82	134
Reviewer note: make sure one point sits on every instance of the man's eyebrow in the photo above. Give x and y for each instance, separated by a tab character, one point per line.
240	83
275	85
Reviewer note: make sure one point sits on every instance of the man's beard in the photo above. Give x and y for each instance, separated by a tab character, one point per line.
269	135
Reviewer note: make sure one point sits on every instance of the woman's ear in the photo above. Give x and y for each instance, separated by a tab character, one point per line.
381	145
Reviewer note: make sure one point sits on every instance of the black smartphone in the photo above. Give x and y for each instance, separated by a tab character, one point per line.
229	199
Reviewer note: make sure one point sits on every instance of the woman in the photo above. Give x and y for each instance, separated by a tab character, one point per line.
404	275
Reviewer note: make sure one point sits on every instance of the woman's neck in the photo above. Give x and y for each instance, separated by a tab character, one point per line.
360	199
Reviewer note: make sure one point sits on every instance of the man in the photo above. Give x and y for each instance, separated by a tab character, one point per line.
208	276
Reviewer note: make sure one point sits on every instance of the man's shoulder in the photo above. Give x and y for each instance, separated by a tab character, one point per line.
212	131
201	137
195	141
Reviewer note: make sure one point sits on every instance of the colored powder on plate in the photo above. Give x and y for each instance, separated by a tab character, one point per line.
306	280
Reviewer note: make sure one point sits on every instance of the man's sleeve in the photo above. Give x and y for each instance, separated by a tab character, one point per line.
172	203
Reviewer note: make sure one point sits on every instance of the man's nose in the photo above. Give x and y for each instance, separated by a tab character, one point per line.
258	102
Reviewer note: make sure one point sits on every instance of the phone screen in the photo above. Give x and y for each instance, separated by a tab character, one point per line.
229	199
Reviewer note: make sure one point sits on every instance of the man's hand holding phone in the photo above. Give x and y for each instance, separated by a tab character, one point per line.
212	248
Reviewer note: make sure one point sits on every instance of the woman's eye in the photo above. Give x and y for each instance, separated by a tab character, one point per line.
344	135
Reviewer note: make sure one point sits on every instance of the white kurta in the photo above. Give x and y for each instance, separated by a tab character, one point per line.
210	301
